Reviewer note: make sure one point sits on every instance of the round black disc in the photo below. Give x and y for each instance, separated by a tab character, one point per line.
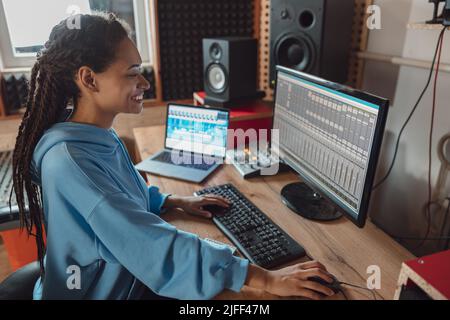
305	202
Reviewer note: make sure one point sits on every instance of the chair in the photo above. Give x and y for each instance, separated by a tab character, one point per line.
20	284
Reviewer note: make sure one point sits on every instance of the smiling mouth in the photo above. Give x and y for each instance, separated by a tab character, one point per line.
139	98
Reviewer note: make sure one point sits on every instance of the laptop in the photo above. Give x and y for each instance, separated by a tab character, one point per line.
195	143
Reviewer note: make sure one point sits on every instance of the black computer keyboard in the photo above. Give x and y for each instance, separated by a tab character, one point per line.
258	238
196	161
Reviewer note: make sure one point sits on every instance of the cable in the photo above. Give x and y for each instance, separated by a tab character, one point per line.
445	223
391	166
430	144
422	238
343	293
437	54
359	287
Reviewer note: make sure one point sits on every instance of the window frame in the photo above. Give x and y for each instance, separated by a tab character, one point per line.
143	28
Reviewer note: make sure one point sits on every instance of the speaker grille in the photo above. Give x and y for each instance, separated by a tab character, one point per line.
182	26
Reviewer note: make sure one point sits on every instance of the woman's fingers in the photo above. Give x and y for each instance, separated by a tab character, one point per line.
199	211
317	287
203	213
310	294
316	272
312	264
215	201
213	196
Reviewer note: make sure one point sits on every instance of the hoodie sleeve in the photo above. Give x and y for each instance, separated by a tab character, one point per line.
171	262
157	199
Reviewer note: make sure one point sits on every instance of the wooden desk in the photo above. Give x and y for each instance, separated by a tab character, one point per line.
343	248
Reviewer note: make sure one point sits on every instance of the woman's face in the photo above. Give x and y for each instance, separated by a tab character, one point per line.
121	87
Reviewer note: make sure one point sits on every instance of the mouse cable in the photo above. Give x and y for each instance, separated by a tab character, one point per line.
346	284
391	166
343	293
359	287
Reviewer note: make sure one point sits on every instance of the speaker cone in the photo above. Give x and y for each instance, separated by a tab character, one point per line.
216	78
295	51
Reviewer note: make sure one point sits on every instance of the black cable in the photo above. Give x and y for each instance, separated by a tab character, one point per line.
437	53
420	238
447	211
382	180
359	287
445	222
430	146
343	293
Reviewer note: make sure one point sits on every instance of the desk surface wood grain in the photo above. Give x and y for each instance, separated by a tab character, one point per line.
346	250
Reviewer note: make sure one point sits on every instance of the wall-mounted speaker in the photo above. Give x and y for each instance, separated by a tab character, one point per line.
312	36
229	69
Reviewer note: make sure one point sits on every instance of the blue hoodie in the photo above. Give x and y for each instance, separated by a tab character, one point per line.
105	238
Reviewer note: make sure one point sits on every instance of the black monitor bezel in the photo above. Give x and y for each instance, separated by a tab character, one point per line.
383	105
195	107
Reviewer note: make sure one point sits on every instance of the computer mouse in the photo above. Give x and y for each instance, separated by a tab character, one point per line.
335	285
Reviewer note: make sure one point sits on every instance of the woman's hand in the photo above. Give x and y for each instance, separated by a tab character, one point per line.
292	280
194	205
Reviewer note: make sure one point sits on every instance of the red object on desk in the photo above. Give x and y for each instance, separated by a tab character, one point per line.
430	273
255	115
434	270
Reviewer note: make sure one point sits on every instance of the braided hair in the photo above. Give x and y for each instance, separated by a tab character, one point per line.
52	88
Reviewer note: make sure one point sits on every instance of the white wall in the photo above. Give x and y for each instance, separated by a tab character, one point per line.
397	205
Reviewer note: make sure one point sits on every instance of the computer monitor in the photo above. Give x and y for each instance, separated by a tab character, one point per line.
331	136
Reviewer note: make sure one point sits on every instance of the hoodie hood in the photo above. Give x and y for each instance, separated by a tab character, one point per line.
105	141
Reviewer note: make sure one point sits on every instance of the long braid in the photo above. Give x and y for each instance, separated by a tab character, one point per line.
51	86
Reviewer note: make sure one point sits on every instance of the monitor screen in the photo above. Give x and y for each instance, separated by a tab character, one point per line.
331	136
197	130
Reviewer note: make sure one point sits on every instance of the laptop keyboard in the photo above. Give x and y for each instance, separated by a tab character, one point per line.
196	161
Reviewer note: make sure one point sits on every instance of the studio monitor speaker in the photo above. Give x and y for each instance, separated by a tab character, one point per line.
312	36
229	68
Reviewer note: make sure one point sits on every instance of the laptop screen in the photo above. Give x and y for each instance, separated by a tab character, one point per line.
197	130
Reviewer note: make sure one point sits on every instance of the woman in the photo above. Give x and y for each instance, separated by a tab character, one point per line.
101	221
